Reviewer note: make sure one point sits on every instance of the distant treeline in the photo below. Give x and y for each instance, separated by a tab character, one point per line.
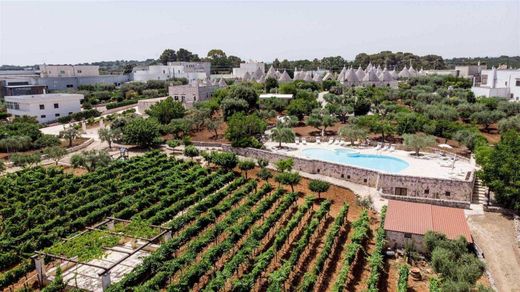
513	61
222	63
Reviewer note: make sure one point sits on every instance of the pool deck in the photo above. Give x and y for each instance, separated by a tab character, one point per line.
430	165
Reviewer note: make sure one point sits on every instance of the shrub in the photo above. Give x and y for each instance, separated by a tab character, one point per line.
173	143
191	151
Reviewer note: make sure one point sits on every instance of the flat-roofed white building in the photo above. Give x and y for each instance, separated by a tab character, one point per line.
275	95
68	70
190	70
499	83
44	107
191	93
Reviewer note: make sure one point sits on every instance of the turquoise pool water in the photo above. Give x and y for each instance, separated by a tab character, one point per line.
350	157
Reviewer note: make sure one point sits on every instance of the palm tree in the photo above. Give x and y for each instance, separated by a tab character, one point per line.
282	134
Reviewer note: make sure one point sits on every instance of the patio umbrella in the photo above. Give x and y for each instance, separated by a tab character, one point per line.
445	146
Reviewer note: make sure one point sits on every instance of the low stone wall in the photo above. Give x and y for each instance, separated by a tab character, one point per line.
442	191
208	144
80	146
440	202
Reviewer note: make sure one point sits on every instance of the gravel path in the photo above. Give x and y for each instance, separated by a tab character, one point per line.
494	234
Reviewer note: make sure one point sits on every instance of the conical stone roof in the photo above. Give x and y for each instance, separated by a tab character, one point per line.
385	76
351	76
360	73
284	77
316	78
404	73
308	77
371	76
327	76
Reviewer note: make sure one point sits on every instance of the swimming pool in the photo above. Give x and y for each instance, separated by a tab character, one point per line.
350	157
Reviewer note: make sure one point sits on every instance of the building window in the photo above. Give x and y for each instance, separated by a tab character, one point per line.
517	83
400	191
42	106
342	175
447	194
365	180
348	176
70	113
79	71
426	191
70	85
43	116
56	115
407	235
62	72
56	105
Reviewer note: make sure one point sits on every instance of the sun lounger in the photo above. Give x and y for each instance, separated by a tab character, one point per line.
304	142
391	149
378	147
297	140
339	141
331	140
342	143
318	140
384	148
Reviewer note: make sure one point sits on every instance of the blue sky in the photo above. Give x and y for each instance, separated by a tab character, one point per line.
73	31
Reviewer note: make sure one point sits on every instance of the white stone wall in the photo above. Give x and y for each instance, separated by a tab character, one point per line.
397	240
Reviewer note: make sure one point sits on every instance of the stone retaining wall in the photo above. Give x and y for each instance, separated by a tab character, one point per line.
442	191
440	202
80	146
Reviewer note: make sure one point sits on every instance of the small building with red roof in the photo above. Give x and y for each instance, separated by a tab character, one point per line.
407	223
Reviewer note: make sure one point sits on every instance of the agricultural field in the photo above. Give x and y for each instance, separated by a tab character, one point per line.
228	233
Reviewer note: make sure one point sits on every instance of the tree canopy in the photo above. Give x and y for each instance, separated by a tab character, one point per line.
166	110
500	170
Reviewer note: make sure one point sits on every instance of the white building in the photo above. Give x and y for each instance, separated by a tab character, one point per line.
190	70
191	93
500	83
68	70
44	107
250	67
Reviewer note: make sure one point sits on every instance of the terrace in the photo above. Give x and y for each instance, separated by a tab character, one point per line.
431	165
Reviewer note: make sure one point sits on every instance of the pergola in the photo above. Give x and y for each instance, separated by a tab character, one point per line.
103	272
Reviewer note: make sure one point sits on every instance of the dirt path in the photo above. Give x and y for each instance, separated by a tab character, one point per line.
494	234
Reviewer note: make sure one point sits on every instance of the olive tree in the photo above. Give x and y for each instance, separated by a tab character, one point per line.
318	186
56	153
353	133
288	178
246	165
418	141
110	135
321	120
70	133
91	159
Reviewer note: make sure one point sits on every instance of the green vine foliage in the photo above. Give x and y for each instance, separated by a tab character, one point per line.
85	247
137	228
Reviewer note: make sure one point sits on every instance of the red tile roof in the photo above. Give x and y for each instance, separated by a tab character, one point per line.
419	218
